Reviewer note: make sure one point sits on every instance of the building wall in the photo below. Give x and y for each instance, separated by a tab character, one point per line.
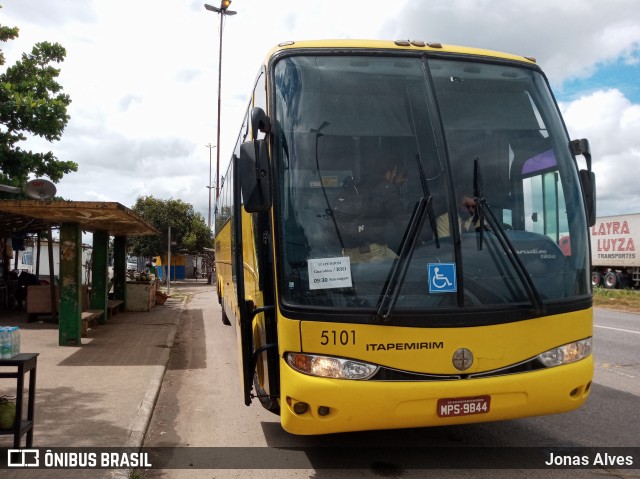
182	266
27	259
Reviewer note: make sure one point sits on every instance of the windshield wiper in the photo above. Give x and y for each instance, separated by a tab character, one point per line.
485	211
398	272
392	286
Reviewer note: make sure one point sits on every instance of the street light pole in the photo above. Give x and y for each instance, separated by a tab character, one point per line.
223	10
209	185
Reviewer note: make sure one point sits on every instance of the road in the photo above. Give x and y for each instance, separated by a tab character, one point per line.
200	405
616	345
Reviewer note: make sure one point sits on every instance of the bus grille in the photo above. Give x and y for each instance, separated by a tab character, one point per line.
389	374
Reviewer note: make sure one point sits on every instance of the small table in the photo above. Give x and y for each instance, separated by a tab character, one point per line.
24	363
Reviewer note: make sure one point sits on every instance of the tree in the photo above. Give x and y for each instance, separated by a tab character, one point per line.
31	102
188	227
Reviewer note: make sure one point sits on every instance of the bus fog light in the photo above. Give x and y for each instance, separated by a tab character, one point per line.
323	411
569	353
300	407
330	367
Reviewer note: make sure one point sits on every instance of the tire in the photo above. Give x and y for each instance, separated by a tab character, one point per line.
225	318
596	278
270	404
611	280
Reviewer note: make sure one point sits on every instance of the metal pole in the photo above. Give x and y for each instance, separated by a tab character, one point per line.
219	95
222	11
209	185
169	262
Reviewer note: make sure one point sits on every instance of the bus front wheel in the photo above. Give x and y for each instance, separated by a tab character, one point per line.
225	318
269	403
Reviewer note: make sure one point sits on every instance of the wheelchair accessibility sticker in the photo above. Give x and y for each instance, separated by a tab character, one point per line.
442	278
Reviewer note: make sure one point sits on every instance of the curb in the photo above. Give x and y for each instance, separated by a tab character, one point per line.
140	424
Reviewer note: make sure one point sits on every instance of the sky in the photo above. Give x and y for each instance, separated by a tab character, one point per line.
142	76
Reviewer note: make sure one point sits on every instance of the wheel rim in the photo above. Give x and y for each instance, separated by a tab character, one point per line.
610	280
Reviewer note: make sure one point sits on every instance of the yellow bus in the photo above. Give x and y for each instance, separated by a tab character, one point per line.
356	305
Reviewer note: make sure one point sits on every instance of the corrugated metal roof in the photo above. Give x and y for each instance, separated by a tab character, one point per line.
32	216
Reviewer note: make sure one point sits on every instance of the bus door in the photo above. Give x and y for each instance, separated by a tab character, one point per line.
251	195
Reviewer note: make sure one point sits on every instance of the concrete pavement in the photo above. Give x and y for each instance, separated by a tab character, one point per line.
100	394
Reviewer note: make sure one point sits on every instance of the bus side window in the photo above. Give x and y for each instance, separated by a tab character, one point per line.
260	96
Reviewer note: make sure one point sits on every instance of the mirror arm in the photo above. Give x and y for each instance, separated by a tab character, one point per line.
259	122
581	147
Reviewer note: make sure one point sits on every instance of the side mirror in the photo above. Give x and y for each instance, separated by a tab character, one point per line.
587	179
588	183
253	172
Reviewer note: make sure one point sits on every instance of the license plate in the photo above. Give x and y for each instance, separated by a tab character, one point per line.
450	407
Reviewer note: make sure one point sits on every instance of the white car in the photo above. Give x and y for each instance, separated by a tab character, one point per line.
132	263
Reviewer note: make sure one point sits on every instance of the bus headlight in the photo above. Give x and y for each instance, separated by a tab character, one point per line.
566	354
330	367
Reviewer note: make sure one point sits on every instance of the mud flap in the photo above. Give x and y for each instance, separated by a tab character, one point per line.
246	338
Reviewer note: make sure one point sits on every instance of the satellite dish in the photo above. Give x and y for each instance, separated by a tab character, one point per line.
40	189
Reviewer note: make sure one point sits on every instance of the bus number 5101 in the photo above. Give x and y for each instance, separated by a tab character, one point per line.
336	338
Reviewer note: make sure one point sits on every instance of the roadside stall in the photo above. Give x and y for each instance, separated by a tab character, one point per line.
103	219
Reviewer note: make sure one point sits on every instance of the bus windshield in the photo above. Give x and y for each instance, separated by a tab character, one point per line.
361	141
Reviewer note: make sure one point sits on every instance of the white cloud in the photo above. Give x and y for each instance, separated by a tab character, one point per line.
611	123
568	38
142	76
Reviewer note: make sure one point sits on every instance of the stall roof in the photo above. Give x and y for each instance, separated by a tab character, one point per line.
32	216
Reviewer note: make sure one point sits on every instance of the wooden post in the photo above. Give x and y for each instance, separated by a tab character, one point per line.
100	273
70	285
52	276
120	269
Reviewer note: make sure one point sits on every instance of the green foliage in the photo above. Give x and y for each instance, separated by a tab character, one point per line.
188	227
31	102
7	33
621	299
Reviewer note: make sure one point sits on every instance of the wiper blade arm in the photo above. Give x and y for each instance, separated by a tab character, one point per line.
478	196
400	267
427	194
485	211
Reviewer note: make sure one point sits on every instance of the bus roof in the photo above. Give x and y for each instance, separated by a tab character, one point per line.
406	45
